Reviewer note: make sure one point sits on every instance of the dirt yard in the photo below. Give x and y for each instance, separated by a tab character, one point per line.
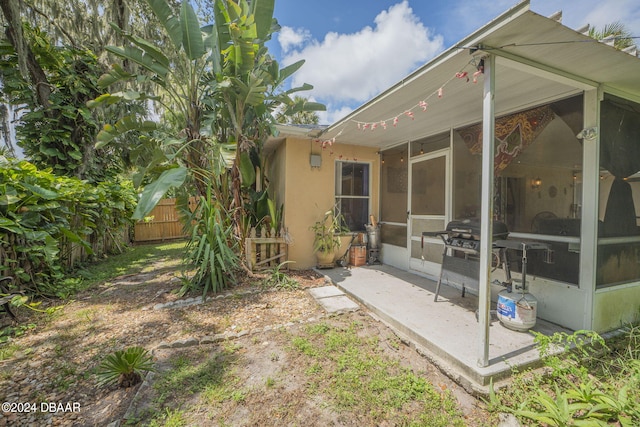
230	361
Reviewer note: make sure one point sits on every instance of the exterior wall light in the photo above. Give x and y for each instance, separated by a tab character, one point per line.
536	183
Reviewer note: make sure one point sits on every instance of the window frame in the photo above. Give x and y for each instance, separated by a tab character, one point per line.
337	181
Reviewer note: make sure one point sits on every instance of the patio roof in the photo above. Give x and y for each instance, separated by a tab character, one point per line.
538	59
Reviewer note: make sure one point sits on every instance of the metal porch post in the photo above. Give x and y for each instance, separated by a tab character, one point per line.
486	218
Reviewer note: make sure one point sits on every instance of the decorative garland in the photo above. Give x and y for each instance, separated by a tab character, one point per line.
423	105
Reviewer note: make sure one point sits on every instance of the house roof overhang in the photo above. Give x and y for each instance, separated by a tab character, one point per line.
537	60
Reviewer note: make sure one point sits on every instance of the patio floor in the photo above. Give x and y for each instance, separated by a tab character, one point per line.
447	329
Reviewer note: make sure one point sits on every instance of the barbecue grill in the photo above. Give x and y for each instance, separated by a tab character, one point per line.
461	253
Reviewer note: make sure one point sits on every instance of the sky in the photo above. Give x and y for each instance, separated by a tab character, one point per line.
355	49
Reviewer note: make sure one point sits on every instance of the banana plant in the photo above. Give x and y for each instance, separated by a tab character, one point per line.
217	84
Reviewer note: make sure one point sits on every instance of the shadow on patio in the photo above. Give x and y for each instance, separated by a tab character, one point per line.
447	329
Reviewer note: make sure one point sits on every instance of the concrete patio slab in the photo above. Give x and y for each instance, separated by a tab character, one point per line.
447	329
325	291
333	300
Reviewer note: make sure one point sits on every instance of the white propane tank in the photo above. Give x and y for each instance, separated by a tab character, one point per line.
517	310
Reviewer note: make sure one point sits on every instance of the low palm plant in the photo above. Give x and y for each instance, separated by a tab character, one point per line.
124	367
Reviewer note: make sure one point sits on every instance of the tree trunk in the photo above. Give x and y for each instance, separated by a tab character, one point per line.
29	67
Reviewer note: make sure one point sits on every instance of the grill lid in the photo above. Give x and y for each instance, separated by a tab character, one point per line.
470	229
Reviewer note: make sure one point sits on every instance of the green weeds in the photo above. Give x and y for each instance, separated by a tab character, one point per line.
358	378
276	279
586	381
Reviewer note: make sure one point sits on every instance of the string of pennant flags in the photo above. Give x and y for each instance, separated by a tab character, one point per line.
410	113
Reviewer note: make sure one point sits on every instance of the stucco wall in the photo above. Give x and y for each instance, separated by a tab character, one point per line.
276	174
309	192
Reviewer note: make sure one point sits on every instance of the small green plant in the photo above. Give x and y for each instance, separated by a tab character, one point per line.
276	279
270	382
326	232
124	367
8	350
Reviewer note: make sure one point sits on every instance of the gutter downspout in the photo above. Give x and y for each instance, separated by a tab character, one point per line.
486	216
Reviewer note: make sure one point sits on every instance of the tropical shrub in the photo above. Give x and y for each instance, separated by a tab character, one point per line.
48	222
60	134
212	248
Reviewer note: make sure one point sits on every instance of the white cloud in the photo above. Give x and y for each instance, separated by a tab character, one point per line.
351	68
597	13
290	38
333	113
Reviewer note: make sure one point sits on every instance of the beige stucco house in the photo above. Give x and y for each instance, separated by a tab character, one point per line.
525	121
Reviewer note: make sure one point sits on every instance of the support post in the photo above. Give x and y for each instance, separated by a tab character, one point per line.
486	218
590	192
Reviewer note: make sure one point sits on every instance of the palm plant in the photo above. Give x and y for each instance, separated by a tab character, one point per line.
124	367
618	31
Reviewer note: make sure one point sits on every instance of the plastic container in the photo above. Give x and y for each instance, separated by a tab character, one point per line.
516	310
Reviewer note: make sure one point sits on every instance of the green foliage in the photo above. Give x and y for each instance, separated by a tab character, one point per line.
44	218
587	382
326	232
60	135
352	371
276	279
621	36
211	248
153	193
564	352
219	91
124	367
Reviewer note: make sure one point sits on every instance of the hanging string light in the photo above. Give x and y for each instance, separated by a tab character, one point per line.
422	106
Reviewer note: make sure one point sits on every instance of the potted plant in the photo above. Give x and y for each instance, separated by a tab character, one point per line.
326	240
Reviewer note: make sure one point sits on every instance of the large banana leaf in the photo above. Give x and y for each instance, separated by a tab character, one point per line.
290	69
122	126
170	22
154	192
263	12
192	40
252	93
240	36
150	50
222	24
212	45
247	170
141	58
304	87
115	74
113	98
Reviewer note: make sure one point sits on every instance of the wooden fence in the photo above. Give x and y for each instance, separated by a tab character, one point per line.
162	223
264	252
